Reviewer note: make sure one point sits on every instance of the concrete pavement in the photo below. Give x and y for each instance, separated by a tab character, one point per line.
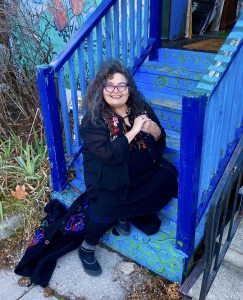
70	282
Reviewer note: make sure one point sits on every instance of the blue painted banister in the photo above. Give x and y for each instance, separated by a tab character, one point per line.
108	34
81	64
73	86
124	31
91	56
146	22
224	113
139	27
51	120
156	11
132	35
193	113
116	30
65	113
99	43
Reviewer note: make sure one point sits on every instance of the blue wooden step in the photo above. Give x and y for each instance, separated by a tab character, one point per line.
168	78
167	108
195	59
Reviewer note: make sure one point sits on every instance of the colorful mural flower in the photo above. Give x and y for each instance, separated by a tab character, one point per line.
59	14
77	6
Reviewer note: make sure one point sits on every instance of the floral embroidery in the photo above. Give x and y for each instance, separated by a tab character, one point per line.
41	231
112	122
39	235
75	223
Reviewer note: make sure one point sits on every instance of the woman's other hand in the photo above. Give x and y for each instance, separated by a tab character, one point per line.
151	127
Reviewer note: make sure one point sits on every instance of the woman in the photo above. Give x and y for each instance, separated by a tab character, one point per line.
124	172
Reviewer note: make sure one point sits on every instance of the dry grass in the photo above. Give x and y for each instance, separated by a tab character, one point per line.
22	47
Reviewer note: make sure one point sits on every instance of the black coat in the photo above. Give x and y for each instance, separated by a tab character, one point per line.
60	232
105	162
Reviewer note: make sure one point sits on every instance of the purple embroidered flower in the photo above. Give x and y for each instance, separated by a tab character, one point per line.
39	235
76	223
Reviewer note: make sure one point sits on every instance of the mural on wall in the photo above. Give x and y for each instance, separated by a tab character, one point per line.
64	17
58	20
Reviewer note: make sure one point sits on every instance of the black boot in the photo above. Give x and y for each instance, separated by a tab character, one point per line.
90	264
123	227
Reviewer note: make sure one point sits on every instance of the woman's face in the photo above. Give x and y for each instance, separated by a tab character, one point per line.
116	99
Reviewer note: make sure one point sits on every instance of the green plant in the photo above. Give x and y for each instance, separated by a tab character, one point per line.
6	149
1	214
39	145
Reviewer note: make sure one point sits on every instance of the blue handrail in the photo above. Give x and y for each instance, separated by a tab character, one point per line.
224	117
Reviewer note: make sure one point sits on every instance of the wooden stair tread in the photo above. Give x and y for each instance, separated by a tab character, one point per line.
178	71
168	100
172	140
167	104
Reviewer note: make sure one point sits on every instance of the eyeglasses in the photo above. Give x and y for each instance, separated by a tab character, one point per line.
121	87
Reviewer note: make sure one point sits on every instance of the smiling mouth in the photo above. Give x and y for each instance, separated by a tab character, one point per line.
116	97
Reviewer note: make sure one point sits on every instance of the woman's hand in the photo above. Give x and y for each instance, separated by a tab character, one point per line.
150	127
139	123
137	127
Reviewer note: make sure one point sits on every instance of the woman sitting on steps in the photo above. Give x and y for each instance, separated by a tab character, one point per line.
125	174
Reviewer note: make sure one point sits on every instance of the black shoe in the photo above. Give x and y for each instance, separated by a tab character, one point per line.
90	263
123	227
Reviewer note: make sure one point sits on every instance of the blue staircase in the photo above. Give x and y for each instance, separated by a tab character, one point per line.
163	84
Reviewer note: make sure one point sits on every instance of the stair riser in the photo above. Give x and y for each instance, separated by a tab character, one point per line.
168	119
168	85
172	156
186	58
170	210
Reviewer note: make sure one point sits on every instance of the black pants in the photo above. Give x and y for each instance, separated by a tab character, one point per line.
95	231
149	224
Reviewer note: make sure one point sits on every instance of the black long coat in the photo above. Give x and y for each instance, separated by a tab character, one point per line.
60	232
105	162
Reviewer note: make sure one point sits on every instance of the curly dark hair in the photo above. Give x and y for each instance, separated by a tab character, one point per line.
94	102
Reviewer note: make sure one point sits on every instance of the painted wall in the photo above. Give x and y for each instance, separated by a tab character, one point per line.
60	19
177	19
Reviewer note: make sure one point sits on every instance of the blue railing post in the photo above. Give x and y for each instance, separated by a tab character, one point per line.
193	113
52	125
156	11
